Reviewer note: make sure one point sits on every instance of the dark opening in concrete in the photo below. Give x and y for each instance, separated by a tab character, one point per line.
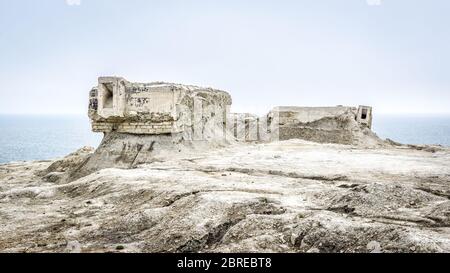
364	114
108	95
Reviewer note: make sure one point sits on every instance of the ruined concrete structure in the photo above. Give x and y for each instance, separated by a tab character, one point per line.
289	115
117	105
338	124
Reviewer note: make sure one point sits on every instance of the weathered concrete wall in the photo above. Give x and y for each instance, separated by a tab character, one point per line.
344	125
294	115
152	99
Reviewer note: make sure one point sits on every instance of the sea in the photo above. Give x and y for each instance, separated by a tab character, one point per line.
41	137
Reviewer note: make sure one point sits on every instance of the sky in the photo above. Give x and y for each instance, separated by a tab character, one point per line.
390	54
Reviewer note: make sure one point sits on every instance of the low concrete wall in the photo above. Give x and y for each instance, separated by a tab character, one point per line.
292	115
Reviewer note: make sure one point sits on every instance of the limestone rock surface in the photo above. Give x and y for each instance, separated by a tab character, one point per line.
288	196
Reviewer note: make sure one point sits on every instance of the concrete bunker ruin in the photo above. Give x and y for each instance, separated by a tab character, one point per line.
117	105
198	113
340	124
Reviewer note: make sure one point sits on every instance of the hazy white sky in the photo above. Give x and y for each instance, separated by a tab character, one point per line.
391	54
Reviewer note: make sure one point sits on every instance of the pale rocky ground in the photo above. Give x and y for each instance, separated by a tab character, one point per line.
291	196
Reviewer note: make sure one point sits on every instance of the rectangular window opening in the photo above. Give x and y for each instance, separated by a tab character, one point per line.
108	95
364	114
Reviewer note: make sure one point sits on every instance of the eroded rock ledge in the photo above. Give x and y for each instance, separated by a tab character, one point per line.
289	196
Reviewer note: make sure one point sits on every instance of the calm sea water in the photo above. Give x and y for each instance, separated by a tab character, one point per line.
414	129
48	137
43	137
